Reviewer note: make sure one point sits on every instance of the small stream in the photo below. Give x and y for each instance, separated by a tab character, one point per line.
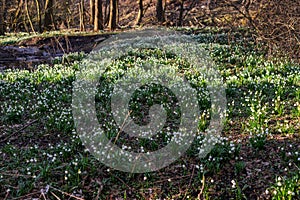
30	53
13	57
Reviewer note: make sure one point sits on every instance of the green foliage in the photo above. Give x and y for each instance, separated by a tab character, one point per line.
286	188
260	93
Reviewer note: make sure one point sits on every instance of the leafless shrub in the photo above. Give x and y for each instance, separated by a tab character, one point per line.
277	23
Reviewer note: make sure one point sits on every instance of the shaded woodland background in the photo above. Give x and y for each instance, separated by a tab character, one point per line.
274	23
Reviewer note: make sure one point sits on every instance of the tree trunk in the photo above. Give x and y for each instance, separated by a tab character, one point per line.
98	23
112	25
81	13
39	18
180	20
49	18
68	13
106	12
160	11
118	13
17	16
140	14
28	16
92	11
2	8
24	22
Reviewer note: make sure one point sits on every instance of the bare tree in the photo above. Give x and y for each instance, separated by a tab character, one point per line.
49	18
2	8
140	14
17	15
67	13
160	11
39	18
112	25
180	20
28	17
98	23
81	15
92	11
106	12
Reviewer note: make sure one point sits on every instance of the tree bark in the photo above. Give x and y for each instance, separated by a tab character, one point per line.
29	18
49	18
98	23
39	18
81	13
2	8
160	11
68	13
106	12
17	16
92	11
180	20
112	25
140	14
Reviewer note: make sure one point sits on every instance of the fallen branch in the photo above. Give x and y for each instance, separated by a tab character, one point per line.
18	131
65	193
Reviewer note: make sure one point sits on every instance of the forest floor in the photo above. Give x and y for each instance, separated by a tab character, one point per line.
41	156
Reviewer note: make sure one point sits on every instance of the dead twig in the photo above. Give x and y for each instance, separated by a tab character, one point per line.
202	188
55	195
27	195
190	182
65	193
18	131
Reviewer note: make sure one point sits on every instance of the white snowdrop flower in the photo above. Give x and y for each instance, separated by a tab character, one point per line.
267	191
279	184
145	178
233	183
